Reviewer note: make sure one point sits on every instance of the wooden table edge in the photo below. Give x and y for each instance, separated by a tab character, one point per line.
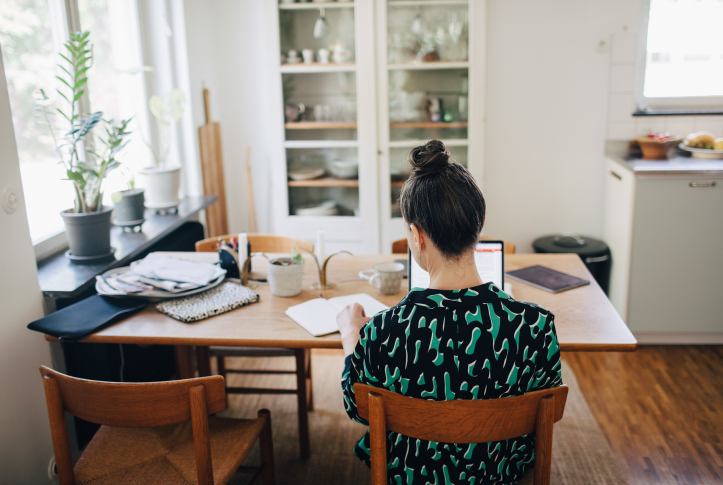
301	344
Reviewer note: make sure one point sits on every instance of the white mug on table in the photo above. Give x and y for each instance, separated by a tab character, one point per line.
385	277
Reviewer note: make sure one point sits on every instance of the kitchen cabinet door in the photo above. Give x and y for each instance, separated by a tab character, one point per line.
676	273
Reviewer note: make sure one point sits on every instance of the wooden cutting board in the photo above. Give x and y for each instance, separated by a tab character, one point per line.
209	137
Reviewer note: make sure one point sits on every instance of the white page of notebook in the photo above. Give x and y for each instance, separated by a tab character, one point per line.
318	316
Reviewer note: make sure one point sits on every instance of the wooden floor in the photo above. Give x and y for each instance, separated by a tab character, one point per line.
661	408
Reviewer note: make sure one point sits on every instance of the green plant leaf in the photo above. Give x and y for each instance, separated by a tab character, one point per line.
63	81
80	82
79	95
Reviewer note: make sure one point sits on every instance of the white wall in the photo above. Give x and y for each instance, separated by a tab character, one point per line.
225	41
25	445
547	83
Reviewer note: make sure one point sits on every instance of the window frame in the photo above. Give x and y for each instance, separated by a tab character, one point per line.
683	104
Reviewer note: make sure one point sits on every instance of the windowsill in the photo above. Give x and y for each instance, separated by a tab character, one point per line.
679	112
50	246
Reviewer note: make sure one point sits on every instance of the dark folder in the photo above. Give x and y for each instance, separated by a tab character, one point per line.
87	316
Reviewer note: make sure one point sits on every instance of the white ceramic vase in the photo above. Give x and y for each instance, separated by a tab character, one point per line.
284	280
162	186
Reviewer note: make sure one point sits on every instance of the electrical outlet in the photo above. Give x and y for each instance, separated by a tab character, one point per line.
52	469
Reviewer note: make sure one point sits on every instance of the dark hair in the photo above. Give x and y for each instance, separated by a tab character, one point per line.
442	198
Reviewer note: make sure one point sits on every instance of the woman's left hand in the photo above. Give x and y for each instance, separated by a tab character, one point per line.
351	319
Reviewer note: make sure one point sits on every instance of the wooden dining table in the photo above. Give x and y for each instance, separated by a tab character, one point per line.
584	317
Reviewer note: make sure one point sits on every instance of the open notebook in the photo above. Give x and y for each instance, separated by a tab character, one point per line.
318	316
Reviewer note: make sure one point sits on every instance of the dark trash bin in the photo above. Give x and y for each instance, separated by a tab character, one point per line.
593	252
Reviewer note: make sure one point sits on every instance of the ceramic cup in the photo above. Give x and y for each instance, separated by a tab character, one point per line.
385	277
308	55
323	55
292	56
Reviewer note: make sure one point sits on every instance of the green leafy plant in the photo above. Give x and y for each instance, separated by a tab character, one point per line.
85	172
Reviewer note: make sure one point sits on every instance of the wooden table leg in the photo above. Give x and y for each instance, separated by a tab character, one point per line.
203	360
184	362
304	446
310	382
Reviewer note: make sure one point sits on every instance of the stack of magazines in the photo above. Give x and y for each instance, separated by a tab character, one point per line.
159	277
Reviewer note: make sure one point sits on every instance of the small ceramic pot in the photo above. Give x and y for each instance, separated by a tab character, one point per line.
284	280
162	186
129	205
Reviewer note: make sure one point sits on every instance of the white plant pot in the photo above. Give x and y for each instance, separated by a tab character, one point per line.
162	186
284	280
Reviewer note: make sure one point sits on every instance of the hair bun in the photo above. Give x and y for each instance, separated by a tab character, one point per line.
429	158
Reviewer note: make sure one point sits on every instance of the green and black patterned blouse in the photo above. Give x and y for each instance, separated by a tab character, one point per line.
476	343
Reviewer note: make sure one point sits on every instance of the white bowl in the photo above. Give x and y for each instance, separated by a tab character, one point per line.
306	173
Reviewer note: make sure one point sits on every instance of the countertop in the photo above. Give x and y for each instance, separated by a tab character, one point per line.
679	162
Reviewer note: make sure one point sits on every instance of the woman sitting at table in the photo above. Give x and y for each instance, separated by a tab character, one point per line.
461	338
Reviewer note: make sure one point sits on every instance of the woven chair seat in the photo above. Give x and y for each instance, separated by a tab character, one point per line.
164	455
250	352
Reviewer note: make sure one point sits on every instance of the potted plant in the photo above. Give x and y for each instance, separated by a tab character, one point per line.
162	183
129	208
87	223
285	274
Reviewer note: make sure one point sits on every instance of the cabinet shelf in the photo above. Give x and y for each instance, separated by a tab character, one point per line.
314	5
425	3
429	124
413	143
416	66
321	144
313	125
317	67
325	182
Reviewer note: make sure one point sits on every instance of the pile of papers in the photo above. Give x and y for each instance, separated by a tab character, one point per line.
157	273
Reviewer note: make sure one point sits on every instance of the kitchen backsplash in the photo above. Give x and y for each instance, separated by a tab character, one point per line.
621	100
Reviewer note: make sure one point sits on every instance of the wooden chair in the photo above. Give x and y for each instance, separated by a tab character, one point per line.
260	243
461	421
400	246
266	243
157	432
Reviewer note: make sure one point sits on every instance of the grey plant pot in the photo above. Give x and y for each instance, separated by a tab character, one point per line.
88	233
129	205
284	280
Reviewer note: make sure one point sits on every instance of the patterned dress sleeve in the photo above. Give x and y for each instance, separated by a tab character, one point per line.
548	372
363	366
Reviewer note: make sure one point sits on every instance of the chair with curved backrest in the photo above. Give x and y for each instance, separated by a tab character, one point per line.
266	243
156	432
400	246
461	421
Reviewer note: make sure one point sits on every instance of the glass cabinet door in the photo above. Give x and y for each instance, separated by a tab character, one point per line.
318	70
427	82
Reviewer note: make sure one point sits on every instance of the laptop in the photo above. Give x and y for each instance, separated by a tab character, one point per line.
489	257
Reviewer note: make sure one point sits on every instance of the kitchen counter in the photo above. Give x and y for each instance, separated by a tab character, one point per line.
679	162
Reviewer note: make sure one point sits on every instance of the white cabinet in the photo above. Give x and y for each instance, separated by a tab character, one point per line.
665	231
368	105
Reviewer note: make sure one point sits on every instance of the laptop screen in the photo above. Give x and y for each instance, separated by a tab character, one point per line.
489	256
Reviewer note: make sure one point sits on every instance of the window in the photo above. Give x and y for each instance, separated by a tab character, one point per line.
31	35
682	65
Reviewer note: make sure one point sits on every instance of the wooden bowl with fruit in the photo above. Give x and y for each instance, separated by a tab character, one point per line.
655	146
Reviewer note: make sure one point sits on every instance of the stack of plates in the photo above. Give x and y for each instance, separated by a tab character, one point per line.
345	169
327	208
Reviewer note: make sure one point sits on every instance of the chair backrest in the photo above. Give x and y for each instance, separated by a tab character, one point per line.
461	421
260	243
400	245
132	405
